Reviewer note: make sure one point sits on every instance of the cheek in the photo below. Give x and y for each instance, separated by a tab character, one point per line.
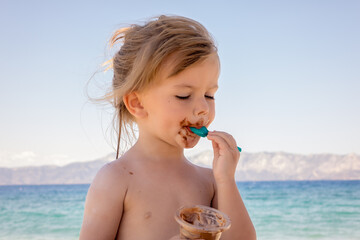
175	108
212	112
171	111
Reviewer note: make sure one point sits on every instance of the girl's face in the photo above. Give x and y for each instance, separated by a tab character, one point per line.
173	104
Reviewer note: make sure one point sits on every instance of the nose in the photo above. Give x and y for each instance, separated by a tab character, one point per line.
202	107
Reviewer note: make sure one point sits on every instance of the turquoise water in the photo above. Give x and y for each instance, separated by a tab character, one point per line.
279	210
304	210
41	212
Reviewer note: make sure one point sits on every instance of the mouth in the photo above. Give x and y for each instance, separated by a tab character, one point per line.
189	132
185	128
187	137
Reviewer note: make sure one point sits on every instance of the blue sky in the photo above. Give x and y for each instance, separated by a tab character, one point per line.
290	77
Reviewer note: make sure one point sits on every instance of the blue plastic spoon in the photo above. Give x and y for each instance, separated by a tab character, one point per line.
203	132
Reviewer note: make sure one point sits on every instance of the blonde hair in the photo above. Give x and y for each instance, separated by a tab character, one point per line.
143	49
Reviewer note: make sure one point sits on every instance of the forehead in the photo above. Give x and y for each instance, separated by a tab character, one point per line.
205	71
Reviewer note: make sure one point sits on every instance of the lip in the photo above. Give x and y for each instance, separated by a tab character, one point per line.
186	124
189	132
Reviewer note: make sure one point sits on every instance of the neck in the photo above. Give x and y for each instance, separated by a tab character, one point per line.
158	151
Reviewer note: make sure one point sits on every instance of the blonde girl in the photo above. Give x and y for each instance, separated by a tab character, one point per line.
165	78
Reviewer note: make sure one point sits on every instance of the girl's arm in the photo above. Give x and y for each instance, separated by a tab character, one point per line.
227	197
104	205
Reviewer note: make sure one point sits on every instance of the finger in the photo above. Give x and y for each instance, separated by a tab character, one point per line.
216	149
224	145
220	141
227	137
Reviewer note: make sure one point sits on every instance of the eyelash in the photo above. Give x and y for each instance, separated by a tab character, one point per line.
187	97
210	97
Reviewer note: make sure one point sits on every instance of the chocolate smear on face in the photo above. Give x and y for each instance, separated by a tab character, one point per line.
185	132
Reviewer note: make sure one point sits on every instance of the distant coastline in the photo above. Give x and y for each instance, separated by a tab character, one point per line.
238	182
263	166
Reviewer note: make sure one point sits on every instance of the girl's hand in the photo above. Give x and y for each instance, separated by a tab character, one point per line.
226	156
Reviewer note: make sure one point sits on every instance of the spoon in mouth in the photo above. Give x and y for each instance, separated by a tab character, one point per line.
203	132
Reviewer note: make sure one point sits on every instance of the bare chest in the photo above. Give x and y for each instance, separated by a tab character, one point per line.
150	205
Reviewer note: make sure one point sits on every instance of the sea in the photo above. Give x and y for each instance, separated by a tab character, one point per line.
291	210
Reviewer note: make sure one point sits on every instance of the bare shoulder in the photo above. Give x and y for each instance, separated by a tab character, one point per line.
104	202
112	180
111	173
204	172
206	175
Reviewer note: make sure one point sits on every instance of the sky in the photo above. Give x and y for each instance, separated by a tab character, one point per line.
290	75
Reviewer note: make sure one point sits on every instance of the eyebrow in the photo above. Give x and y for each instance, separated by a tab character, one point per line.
190	86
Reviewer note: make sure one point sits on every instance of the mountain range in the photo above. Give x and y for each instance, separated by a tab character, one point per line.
278	166
262	166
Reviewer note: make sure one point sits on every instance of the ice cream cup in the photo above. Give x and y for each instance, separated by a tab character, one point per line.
201	222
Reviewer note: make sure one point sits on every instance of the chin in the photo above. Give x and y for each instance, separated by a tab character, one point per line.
189	147
191	144
187	141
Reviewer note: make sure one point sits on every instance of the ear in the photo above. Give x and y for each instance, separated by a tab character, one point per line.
134	106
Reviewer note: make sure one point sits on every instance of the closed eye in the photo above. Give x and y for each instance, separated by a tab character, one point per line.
210	97
183	97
